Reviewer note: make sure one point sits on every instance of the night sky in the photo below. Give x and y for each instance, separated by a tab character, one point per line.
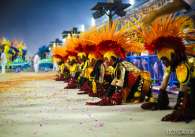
38	22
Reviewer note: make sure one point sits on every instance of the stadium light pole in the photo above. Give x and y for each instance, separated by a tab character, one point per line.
110	8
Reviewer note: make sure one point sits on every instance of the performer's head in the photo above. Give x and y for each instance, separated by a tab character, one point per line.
170	50
81	56
165	38
109	58
60	62
72	60
92	59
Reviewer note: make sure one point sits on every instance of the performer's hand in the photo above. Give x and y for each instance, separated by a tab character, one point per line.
162	90
179	115
163	100
104	83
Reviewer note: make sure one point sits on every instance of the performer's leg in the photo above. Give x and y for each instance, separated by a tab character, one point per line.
3	69
111	89
185	110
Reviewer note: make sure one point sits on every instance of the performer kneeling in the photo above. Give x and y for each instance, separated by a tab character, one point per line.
128	86
169	46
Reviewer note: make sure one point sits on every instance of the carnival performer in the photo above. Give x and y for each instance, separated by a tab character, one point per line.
3	62
127	85
73	82
82	61
61	72
167	43
85	78
36	63
103	73
116	44
60	58
72	67
4	54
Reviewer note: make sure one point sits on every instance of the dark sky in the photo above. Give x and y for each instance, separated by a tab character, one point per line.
37	22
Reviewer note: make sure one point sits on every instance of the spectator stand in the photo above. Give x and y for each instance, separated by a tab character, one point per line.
151	64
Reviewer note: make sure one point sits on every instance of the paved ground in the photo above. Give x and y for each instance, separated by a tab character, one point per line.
34	105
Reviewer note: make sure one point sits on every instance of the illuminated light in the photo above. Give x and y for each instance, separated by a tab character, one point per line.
82	28
69	36
54	45
64	40
111	1
132	2
93	22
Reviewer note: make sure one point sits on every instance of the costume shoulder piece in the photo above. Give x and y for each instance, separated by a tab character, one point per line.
183	73
129	66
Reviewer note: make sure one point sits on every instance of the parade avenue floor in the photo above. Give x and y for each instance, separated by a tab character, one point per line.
34	105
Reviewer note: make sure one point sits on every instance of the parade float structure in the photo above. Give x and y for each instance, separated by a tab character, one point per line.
45	62
15	52
134	12
19	61
44	52
111	9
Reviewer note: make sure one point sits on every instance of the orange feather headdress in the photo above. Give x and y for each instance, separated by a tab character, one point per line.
113	40
101	41
59	52
165	32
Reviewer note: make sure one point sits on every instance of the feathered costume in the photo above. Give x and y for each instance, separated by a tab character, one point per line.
105	49
13	50
165	38
114	43
59	56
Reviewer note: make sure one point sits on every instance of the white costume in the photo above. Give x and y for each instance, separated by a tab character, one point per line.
36	63
3	62
55	66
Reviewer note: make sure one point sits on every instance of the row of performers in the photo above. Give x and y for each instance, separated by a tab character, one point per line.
111	78
95	64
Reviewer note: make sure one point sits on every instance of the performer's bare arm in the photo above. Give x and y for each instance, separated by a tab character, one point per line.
102	72
166	77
